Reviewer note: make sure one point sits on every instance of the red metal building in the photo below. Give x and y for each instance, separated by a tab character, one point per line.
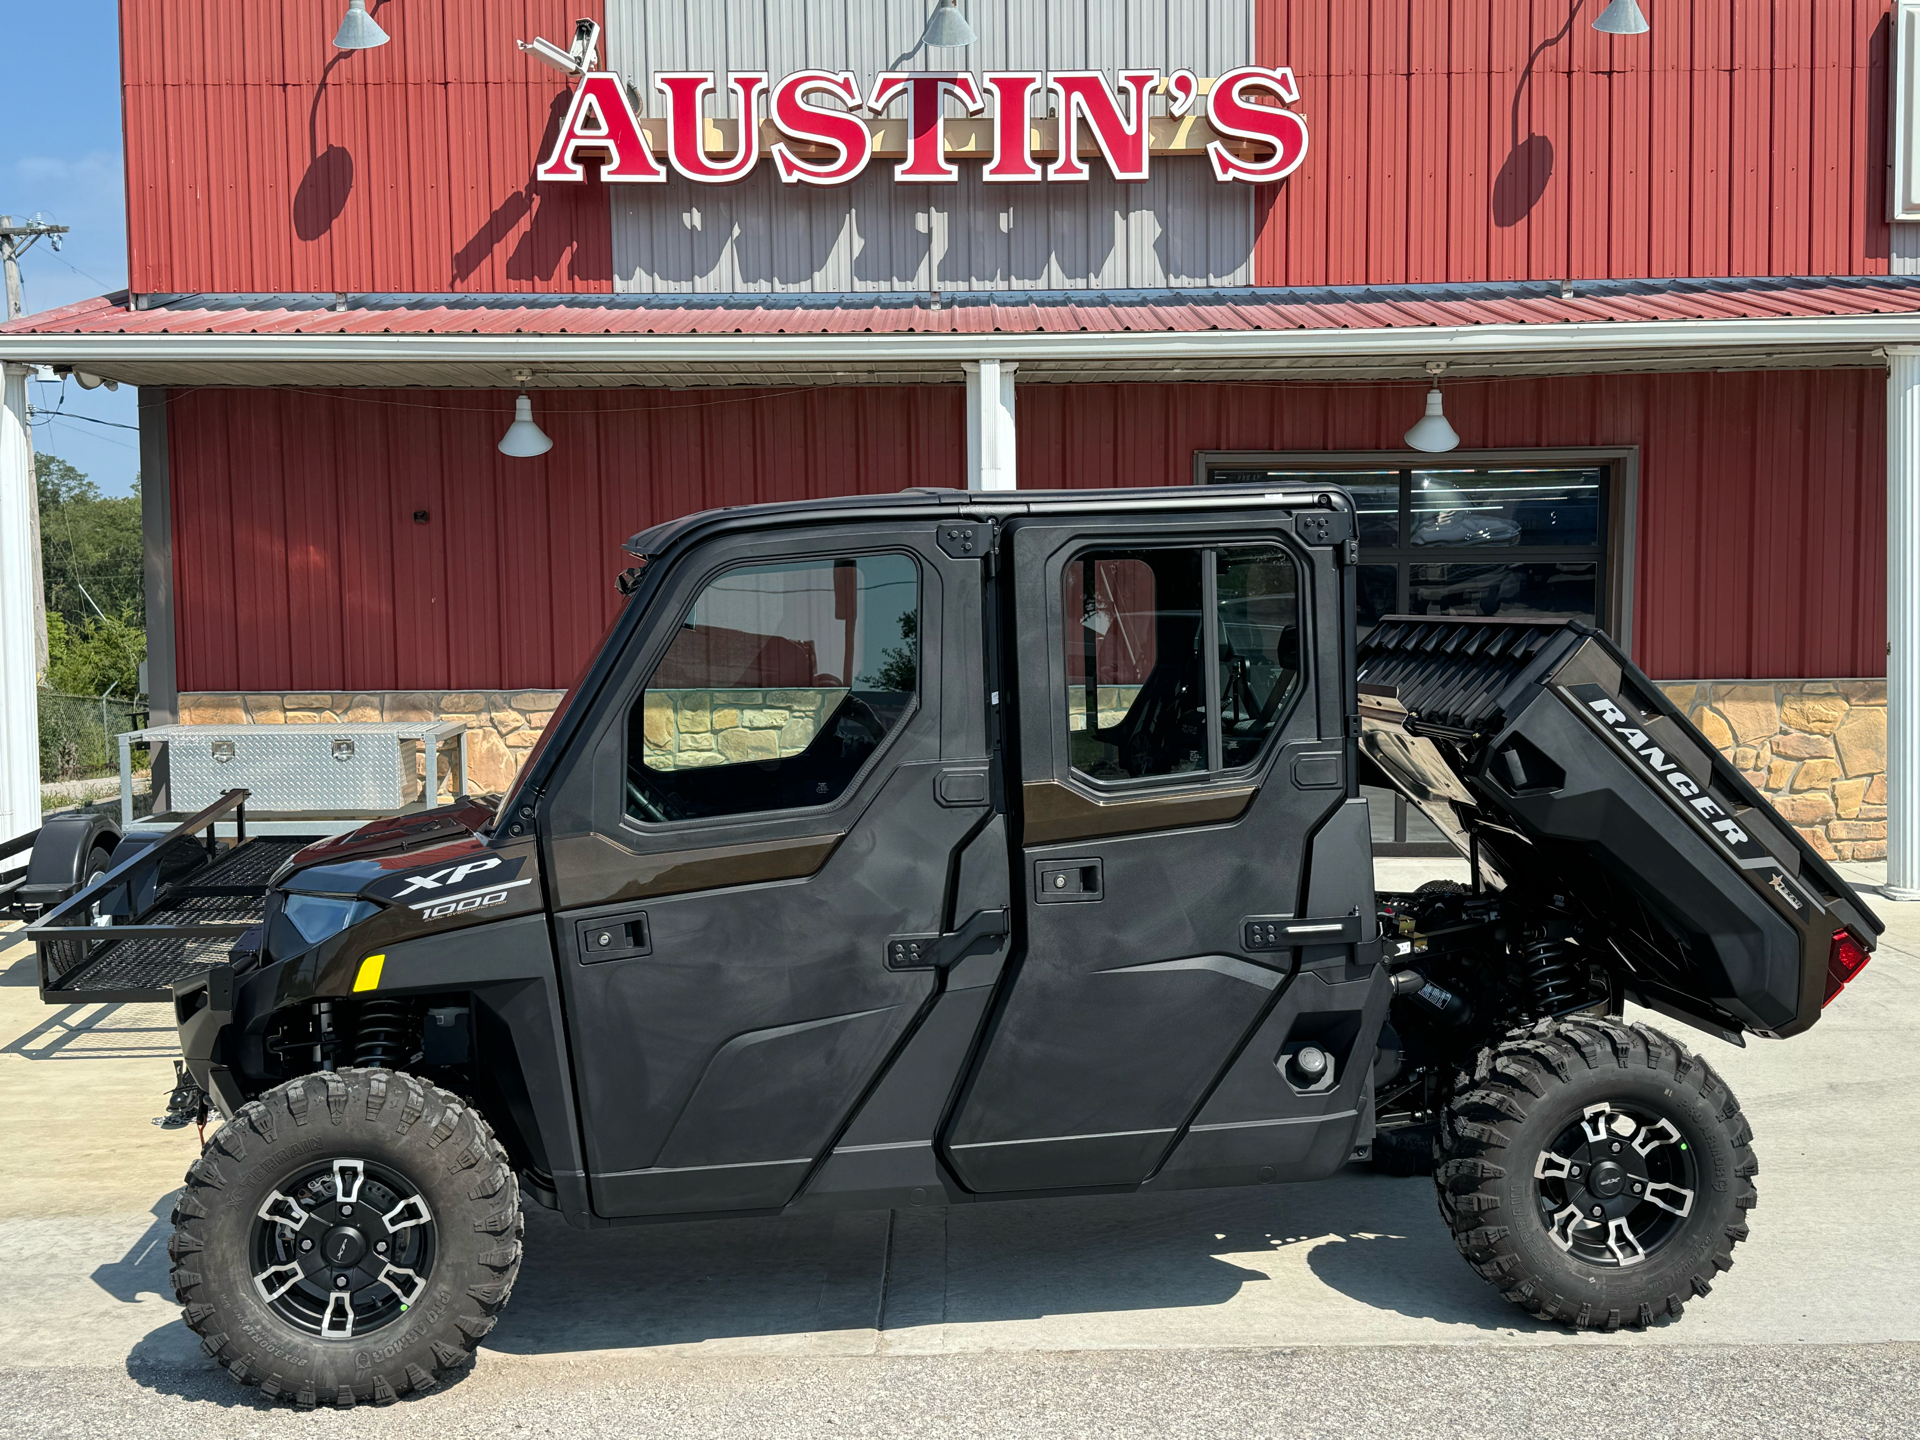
1672	274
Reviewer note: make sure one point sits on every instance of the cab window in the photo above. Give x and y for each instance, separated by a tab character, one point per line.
1138	626
781	682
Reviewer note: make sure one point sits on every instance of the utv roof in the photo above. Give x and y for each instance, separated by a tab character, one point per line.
935	499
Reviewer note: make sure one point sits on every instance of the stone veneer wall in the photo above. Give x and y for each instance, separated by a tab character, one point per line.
1817	749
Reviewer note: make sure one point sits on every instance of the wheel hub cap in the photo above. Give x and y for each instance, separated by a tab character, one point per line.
344	1246
1606	1181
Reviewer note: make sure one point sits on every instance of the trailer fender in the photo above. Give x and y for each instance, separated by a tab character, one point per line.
63	856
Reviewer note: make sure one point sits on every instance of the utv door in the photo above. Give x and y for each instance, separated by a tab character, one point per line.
774	792
1178	719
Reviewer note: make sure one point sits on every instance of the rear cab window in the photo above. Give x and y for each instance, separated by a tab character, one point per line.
1151	635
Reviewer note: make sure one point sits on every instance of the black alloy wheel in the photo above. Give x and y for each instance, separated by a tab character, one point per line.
342	1248
1598	1174
1614	1187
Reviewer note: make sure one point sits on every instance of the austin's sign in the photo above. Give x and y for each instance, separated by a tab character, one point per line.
813	125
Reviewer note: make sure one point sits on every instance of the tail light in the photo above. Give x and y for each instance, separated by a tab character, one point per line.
1846	957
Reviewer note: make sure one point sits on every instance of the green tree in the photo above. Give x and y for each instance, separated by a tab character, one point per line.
90	546
94	657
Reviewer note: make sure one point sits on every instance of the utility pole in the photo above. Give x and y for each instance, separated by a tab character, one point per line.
15	241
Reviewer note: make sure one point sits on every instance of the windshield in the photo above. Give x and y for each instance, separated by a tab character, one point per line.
553	721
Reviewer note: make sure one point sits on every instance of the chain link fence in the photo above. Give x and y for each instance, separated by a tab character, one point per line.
79	734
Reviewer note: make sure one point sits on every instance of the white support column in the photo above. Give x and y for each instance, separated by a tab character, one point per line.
1904	622
19	704
990	424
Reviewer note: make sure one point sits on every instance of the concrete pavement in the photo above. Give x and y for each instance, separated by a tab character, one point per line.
1337	1308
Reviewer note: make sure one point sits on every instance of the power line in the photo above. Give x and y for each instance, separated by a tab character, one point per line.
34	412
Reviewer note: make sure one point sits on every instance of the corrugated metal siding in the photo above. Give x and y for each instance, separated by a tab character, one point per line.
259	158
1738	137
1745	566
1178	228
297	565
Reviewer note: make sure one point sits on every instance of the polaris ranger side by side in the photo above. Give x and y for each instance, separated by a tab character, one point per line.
933	849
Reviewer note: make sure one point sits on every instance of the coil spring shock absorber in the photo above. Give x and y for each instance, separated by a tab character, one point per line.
1555	973
384	1035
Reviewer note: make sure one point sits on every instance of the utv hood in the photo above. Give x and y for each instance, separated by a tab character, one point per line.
326	866
1541	746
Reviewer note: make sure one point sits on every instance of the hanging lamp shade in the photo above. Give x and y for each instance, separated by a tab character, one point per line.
947	28
1431	432
1622	17
524	439
359	30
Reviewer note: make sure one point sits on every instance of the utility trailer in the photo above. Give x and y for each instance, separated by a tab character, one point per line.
171	907
162	912
938	849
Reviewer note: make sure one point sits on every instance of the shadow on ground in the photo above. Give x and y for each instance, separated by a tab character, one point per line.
1108	1266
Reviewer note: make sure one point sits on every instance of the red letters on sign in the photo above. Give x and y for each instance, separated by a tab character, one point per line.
601	123
1232	115
1013	162
687	127
1086	96
848	134
926	144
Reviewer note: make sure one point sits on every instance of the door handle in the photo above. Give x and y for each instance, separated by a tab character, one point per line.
1058	882
1282	933
921	953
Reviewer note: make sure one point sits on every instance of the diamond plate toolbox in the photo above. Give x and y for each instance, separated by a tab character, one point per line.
341	767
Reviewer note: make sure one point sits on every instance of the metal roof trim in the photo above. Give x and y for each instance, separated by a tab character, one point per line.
1856	332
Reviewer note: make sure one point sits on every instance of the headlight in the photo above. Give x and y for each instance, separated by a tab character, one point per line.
318	917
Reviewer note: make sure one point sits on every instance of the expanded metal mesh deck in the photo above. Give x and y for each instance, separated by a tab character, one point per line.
142	970
252	864
145	968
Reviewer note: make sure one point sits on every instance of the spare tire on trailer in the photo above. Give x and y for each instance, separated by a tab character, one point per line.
350	1236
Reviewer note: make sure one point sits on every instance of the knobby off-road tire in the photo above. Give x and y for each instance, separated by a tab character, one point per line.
436	1196
1568	1104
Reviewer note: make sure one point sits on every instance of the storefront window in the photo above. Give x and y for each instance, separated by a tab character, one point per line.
1502	540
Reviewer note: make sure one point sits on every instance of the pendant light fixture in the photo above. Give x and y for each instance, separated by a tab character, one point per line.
947	28
358	30
524	439
1432	433
1622	17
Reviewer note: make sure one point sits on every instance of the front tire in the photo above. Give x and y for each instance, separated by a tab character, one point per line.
1597	1173
350	1236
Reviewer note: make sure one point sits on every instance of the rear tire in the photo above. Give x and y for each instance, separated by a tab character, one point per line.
347	1163
1626	1110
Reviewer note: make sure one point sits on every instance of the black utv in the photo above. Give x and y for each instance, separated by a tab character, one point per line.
939	848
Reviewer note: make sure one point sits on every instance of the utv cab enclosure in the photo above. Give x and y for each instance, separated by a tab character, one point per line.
937	848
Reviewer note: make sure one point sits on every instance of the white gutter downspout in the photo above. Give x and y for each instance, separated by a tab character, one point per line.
19	701
990	424
1904	623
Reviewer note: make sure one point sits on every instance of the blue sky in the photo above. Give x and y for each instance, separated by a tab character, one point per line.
63	160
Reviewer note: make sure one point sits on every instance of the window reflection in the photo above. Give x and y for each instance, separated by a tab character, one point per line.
1505	507
1512	589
